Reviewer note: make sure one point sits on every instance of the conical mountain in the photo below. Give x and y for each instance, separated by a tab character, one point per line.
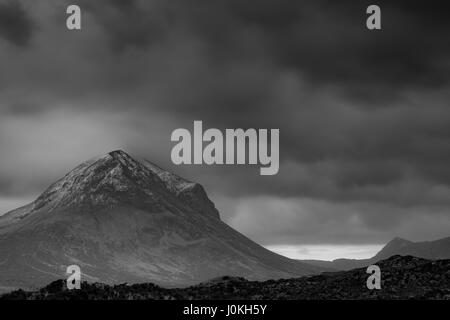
126	220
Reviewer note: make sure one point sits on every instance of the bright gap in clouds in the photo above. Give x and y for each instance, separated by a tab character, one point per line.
326	252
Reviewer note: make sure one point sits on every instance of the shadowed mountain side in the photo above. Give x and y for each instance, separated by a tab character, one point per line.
124	220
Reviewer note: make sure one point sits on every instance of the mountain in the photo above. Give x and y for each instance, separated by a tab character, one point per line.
126	220
401	278
432	250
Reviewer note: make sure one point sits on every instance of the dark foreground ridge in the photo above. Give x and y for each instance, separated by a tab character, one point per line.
401	278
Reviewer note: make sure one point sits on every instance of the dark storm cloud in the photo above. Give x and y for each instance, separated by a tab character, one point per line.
327	43
363	116
127	23
16	25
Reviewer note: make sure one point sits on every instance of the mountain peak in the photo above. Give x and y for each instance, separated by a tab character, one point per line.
394	246
117	179
122	158
119	152
399	241
120	155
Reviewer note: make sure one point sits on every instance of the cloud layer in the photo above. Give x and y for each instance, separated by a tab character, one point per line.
363	116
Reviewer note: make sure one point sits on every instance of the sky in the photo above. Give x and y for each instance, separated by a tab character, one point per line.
363	115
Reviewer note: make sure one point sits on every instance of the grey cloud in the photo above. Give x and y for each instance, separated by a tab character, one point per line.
16	26
128	24
363	116
303	221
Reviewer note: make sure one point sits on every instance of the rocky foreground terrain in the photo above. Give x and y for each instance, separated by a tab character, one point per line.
401	278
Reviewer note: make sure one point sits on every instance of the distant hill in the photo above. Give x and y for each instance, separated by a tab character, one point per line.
401	278
432	250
